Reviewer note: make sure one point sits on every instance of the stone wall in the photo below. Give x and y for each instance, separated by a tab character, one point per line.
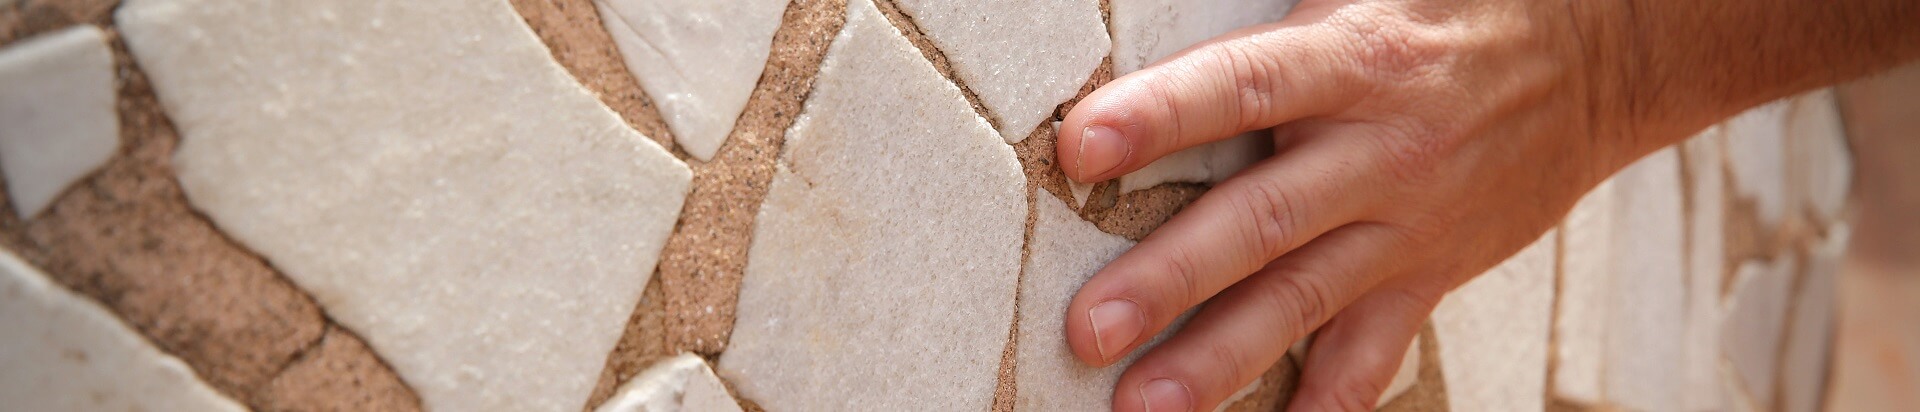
775	204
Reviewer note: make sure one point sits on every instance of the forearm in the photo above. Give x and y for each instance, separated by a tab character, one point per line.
1687	64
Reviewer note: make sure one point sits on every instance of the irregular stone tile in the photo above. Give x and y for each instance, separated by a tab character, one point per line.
838	276
1493	334
680	383
1756	313
1404	378
1145	31
1646	322
63	352
1706	270
1021	58
1064	253
489	255
1586	271
699	59
1809	350
1756	156
1822	163
58	122
1208	163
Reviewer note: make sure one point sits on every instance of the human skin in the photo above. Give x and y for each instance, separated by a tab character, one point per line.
1418	143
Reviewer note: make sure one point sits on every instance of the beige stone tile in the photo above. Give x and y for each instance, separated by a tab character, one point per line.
892	231
1754	328
1586	270
489	256
698	59
58	121
1493	333
1022	58
1646	319
680	383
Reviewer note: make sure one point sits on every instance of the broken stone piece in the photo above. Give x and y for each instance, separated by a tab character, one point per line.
58	122
1756	145
680	383
1706	270
886	255
1586	270
1207	163
63	352
1145	31
1647	298
1809	343
1493	334
698	59
486	227
1022	58
1756	315
1064	253
1822	163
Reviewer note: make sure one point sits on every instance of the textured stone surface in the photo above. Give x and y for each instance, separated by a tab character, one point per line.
680	383
1646	320
491	258
57	117
1754	326
1064	253
884	236
1756	158
1586	270
1021	57
1706	269
1809	341
1822	169
1493	333
1144	31
63	352
698	59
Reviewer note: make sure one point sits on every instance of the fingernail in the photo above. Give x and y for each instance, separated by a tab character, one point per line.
1116	323
1165	395
1101	150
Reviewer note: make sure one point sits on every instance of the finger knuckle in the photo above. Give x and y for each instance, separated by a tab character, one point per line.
1301	302
1232	359
1183	277
1276	211
1254	75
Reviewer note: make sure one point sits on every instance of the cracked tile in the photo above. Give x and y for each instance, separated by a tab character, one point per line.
58	120
1493	334
699	59
64	352
680	383
396	191
1022	58
876	186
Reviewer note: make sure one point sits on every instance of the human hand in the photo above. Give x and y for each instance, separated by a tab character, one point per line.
1417	144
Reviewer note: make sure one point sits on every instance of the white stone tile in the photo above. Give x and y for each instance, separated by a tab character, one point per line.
1706	269
1404	378
63	352
1756	155
486	226
680	383
57	117
1819	155
1022	58
698	59
1756	315
1207	163
885	259
1493	334
1144	31
1586	271
1809	343
1647	305
1064	253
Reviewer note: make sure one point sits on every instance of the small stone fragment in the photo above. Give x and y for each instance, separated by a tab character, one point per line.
487	229
1208	163
63	352
1586	271
1810	341
1646	322
58	122
1493	334
699	59
680	383
1022	58
1064	253
886	256
1756	316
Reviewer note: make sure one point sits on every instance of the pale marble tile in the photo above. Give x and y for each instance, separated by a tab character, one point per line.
64	352
885	259
1757	158
487	227
1493	334
1706	270
698	59
1064	253
1022	58
1647	305
680	383
58	122
1754	328
1809	350
1586	271
1145	31
1821	161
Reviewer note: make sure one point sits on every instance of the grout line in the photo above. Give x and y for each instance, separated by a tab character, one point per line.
903	23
